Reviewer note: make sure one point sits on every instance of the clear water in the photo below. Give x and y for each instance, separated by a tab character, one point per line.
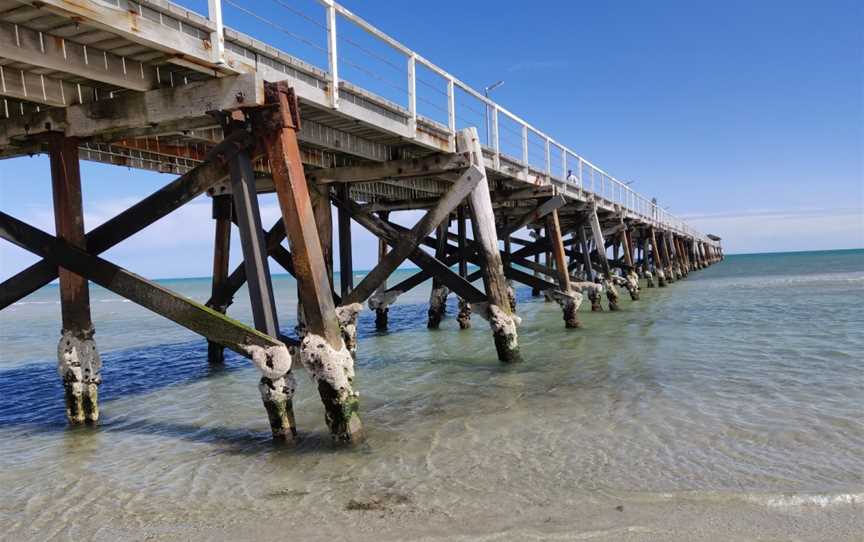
726	406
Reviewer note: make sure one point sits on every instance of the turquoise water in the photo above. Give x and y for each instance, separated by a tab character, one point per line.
726	405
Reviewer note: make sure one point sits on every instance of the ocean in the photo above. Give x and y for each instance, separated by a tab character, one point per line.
727	406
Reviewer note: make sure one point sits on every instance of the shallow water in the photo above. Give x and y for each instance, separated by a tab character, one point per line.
725	405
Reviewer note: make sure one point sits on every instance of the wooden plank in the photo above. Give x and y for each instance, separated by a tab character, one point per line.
150	295
394	169
408	243
144	213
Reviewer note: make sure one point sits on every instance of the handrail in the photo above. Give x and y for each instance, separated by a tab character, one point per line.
610	188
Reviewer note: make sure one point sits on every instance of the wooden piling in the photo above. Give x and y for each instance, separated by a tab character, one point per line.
221	249
78	360
323	351
568	301
346	261
464	316
483	222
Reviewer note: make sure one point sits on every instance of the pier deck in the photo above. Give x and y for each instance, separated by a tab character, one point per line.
152	85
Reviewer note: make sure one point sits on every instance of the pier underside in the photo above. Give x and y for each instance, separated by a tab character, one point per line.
85	86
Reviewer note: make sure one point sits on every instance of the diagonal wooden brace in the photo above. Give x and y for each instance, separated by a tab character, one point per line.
409	242
144	213
194	316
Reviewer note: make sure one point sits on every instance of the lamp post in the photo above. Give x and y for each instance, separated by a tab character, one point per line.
486	92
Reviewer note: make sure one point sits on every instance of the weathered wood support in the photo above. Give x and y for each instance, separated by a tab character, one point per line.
630	277
611	293
565	297
322	351
221	249
667	257
78	360
134	219
381	304
252	242
438	295
346	260
464	316
656	258
483	223
268	354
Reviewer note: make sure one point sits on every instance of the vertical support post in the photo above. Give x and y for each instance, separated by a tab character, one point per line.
656	259
438	296
322	351
332	55
382	311
78	360
319	196
221	251
589	271
346	261
217	37
412	93
464	317
567	299
611	293
483	221
253	244
667	260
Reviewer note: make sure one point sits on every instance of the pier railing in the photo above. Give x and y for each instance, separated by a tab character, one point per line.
434	98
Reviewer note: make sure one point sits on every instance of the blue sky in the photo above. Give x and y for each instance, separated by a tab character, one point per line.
747	118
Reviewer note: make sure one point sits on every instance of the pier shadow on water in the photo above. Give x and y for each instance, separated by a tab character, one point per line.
31	395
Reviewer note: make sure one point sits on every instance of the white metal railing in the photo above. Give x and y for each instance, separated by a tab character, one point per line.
585	176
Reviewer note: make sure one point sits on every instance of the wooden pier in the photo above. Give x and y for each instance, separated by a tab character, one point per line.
150	85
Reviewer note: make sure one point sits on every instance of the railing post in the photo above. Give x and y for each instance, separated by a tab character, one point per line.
581	184
564	164
525	149
332	57
496	143
412	94
217	37
548	157
451	112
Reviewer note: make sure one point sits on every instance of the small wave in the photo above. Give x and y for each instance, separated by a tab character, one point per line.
822	501
35	303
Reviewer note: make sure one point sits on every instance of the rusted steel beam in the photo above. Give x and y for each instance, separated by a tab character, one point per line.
78	359
221	250
277	127
144	213
409	243
150	295
323	349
